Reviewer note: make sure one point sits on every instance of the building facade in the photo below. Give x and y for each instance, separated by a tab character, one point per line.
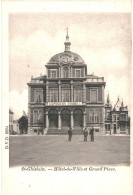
116	119
66	97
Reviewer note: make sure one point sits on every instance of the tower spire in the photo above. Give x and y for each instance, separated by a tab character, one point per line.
67	43
122	104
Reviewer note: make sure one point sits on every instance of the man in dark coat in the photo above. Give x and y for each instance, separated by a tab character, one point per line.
70	134
92	134
85	135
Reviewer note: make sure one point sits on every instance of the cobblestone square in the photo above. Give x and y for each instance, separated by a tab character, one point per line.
55	150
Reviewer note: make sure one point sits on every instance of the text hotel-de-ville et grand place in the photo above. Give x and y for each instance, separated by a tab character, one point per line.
67	97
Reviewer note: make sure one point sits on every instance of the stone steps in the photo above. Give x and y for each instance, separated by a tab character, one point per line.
63	132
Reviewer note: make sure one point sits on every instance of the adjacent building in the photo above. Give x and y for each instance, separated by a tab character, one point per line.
66	97
116	119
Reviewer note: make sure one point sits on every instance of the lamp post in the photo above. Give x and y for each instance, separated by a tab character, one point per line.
38	123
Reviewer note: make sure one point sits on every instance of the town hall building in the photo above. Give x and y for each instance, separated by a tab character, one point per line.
66	97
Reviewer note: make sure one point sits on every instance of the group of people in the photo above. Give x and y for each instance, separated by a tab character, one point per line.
85	132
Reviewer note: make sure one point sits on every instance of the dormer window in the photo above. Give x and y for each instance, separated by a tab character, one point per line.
52	73
78	73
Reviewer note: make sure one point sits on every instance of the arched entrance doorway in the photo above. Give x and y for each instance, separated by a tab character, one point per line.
65	118
78	118
53	119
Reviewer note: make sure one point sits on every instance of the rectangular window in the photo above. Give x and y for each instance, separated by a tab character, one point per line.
114	118
96	119
97	130
77	95
38	96
65	95
77	73
91	119
99	93
114	126
82	72
53	73
93	95
107	127
35	130
53	95
49	73
118	117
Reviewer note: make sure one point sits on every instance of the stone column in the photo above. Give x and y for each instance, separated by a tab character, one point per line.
47	91
72	122
59	120
59	92
47	120
84	119
71	91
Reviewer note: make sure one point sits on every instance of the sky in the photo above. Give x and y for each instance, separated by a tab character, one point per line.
103	40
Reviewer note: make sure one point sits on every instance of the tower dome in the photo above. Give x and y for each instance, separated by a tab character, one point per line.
67	56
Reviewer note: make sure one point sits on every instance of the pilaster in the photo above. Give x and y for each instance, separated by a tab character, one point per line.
84	119
72	122
59	95
84	93
47	91
59	120
47	120
71	91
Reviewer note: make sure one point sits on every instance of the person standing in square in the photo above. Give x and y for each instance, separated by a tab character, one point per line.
85	135
92	134
70	134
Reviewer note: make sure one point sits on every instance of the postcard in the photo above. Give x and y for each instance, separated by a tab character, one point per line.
66	97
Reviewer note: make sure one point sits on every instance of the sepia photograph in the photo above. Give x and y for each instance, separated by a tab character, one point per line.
66	97
69	89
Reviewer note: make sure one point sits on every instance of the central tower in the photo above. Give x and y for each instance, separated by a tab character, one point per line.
67	43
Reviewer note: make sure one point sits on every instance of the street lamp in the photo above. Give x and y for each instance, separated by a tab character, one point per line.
38	123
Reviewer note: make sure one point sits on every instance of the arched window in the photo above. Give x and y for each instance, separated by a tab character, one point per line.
40	116
96	117
65	72
91	116
35	116
53	111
